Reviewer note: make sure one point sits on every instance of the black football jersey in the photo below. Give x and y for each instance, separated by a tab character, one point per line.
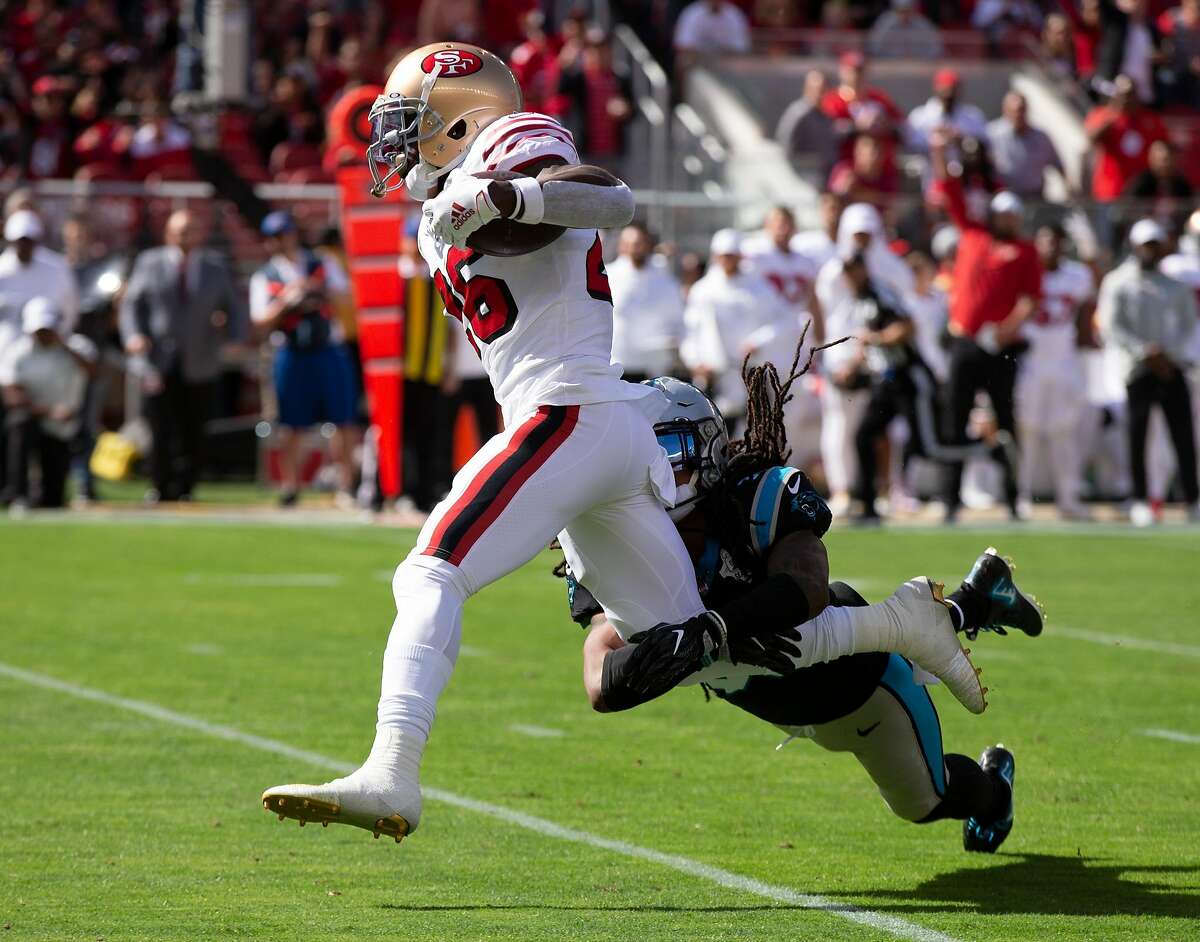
775	501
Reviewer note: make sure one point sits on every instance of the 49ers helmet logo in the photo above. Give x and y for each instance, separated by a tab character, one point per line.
452	63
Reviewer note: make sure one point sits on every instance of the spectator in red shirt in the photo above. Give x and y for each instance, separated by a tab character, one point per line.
856	108
997	285
864	178
535	64
1121	133
52	138
601	103
1086	36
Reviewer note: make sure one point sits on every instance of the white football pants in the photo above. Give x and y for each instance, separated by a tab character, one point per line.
589	474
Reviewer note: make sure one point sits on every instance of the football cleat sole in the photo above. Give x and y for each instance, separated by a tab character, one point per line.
957	679
305	810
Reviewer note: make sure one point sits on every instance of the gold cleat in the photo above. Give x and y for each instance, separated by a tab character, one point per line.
305	810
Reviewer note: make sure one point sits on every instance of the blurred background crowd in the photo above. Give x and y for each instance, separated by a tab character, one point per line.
1015	264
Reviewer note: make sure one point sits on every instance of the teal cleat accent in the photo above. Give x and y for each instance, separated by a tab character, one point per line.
986	837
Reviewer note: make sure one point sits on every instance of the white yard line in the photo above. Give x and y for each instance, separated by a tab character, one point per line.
537	732
882	922
265	580
469	650
1123	641
1170	734
204	648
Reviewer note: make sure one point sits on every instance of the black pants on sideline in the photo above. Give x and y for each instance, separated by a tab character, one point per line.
25	439
970	370
477	393
177	416
1172	395
428	443
892	396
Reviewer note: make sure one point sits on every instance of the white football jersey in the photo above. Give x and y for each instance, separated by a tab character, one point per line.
541	323
1185	267
1051	331
790	273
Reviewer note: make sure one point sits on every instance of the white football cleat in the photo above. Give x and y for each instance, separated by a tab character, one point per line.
353	800
927	637
382	797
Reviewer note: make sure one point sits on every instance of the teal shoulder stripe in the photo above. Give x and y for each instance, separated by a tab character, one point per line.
765	509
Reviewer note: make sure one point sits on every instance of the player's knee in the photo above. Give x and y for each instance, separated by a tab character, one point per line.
419	575
913	808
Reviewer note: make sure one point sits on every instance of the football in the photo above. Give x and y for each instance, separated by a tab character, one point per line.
506	238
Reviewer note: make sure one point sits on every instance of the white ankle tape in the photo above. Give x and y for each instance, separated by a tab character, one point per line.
531	203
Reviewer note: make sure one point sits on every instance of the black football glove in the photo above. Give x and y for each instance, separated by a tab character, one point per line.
774	652
666	654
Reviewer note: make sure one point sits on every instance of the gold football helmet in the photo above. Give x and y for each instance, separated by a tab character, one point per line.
437	99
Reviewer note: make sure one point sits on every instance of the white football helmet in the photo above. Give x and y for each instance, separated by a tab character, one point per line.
692	431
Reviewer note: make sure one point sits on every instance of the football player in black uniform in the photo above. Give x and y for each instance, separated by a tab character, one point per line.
738	523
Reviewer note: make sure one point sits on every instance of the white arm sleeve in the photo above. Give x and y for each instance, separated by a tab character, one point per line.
585	205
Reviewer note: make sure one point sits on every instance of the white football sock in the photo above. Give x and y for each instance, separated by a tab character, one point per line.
853	629
423	644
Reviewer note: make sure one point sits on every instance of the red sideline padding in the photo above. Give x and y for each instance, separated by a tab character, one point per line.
372	232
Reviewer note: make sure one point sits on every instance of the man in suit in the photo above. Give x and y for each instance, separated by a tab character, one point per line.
180	308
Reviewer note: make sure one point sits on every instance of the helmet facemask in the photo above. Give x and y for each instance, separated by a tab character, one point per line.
398	126
697	447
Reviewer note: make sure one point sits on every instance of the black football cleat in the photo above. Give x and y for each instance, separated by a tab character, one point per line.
985	838
1007	606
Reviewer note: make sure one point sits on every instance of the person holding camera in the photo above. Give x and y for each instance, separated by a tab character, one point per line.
898	384
291	301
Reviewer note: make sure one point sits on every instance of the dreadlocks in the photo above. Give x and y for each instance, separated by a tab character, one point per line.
764	442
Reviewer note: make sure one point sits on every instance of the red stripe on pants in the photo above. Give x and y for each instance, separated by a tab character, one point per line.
496	507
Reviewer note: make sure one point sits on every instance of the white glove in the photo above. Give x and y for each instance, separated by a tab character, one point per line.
462	207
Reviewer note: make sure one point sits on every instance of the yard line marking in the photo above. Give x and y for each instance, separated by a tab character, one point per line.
732	881
203	647
469	650
1171	735
266	580
537	732
1125	641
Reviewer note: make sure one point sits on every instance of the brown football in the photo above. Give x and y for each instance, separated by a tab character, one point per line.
506	238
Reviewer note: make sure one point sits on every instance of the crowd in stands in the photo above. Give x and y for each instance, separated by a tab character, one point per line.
1073	352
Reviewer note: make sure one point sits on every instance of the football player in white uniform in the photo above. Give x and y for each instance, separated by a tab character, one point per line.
578	457
769	253
1051	393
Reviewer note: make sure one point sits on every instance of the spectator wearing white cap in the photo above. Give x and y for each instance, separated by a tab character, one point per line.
1151	320
26	273
28	270
647	307
728	312
844	397
43	379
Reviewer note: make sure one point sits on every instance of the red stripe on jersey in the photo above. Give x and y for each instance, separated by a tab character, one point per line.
546	150
544	125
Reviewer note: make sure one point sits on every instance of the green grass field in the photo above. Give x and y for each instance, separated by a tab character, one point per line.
124	819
